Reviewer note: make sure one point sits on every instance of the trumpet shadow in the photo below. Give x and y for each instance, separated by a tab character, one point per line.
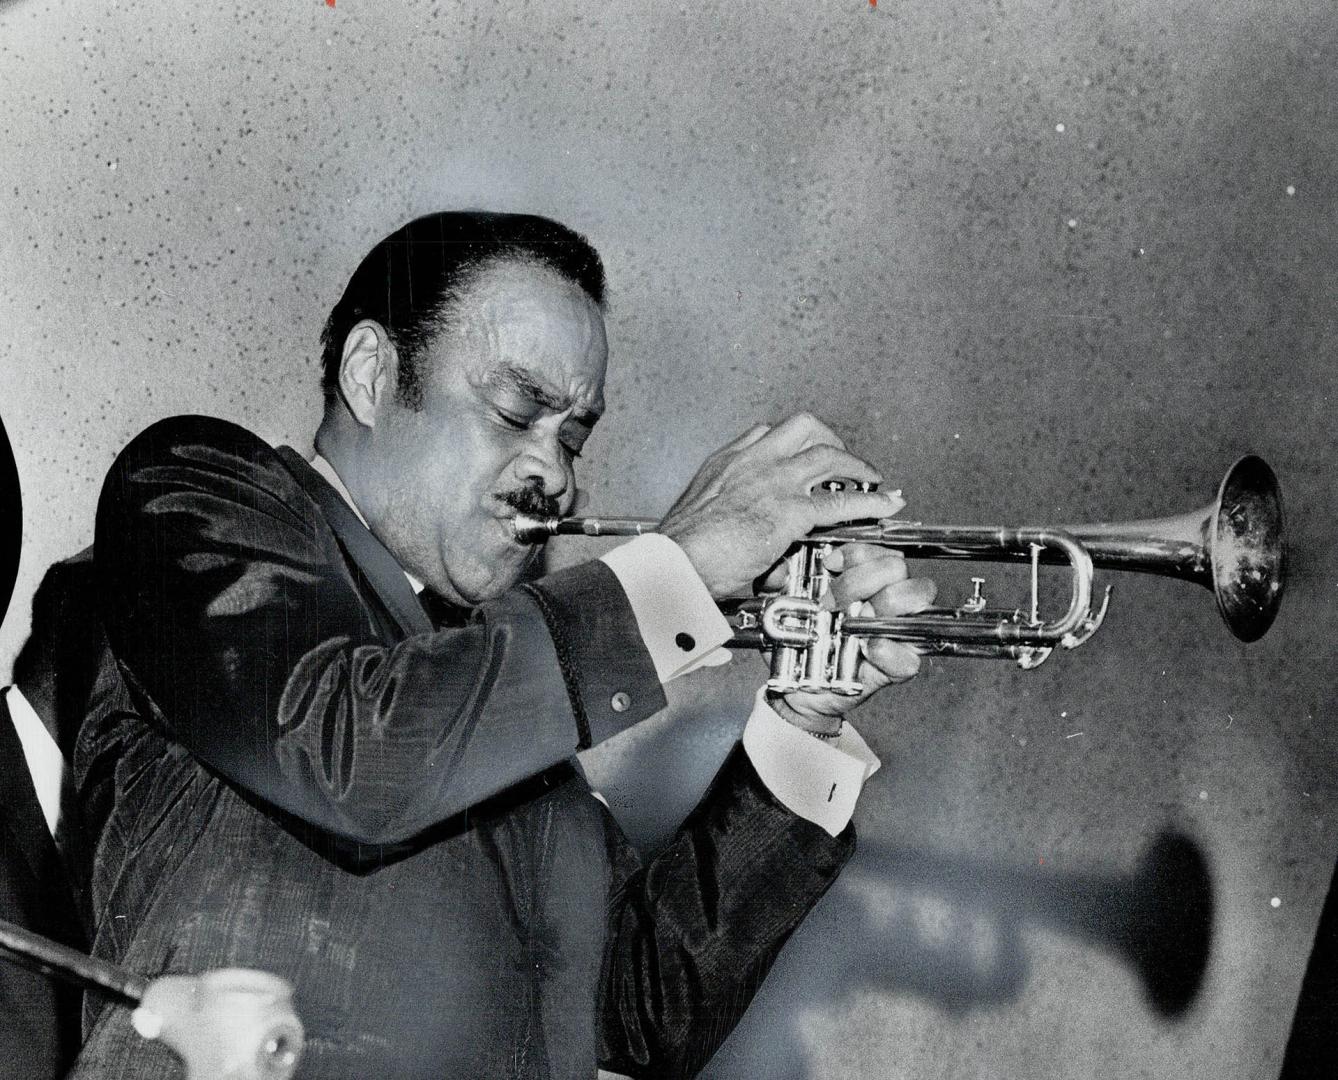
908	922
952	931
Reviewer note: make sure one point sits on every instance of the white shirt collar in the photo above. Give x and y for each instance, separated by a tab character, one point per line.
322	466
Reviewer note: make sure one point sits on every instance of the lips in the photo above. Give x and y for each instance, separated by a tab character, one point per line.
529	501
507	525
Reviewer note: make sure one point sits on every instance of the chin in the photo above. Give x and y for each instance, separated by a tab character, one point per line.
502	580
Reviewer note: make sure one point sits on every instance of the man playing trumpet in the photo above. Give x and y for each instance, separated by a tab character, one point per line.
357	704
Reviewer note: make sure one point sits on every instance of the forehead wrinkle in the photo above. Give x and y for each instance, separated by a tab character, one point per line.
519	379
515	378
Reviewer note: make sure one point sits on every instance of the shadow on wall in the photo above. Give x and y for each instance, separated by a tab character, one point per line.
951	931
902	921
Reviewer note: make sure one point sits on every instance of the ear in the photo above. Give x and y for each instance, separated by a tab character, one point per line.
366	371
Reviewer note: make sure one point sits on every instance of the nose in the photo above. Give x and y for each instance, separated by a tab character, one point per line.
544	465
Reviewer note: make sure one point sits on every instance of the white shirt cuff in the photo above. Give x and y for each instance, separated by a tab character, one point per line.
818	779
679	622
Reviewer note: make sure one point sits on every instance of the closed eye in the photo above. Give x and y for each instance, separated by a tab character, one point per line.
572	446
514	422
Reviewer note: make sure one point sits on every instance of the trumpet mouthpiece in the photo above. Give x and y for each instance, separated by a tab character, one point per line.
530	529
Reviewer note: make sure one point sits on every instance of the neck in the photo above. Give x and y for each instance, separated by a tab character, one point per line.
339	448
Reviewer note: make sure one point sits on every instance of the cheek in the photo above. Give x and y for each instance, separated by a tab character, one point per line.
458	468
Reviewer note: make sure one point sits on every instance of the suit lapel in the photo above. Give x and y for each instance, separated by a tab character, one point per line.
382	573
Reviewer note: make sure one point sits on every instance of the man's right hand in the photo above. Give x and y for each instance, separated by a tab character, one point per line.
757	495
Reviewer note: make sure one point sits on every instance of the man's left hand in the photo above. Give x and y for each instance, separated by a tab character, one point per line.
872	580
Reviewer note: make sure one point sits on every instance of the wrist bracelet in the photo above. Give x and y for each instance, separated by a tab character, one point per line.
828	735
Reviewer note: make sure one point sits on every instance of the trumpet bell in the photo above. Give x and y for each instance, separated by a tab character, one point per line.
1247	553
1232	546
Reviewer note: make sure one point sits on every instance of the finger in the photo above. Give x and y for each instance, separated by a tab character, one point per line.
836	507
774	579
837	556
752	435
866	580
858	554
730	452
845	556
904	597
815	464
896	661
799	432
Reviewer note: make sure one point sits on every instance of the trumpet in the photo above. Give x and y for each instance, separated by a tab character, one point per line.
1232	546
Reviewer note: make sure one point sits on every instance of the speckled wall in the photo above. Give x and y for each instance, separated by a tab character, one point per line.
1044	261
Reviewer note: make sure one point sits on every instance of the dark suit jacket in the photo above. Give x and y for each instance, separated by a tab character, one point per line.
320	784
39	1018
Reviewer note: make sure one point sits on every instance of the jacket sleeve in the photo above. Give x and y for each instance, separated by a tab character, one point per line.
236	618
693	933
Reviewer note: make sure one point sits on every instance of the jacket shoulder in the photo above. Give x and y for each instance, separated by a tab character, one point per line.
206	432
192	465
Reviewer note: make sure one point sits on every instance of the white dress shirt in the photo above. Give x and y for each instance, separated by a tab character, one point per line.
683	630
45	762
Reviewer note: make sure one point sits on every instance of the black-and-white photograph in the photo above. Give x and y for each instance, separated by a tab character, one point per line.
754	541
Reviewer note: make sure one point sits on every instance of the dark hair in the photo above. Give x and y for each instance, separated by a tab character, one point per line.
409	281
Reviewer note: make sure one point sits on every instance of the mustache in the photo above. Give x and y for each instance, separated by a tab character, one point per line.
531	500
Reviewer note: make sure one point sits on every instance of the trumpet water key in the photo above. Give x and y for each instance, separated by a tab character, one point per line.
1232	546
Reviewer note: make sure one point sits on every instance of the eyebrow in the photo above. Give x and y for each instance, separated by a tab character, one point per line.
521	380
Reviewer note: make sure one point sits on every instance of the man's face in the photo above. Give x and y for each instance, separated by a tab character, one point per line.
511	390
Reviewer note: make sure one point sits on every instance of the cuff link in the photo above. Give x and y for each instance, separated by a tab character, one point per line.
686	642
620	702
